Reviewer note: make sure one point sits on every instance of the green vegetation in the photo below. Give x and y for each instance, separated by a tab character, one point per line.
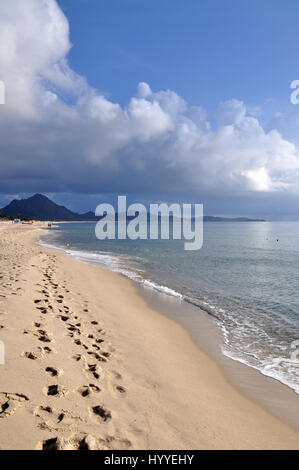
5	217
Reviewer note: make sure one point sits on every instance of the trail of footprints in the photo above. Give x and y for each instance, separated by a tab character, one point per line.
52	302
12	261
91	354
55	420
11	270
13	258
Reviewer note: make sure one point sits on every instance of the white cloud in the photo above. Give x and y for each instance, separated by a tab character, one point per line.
259	178
87	143
143	90
147	119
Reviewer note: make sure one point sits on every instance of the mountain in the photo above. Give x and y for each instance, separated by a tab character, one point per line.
210	218
42	208
206	218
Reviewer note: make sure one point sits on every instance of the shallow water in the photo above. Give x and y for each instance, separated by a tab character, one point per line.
242	276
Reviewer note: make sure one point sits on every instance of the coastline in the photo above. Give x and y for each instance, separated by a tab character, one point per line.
257	345
158	389
271	392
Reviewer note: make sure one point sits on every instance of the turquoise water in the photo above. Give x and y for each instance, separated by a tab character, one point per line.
242	276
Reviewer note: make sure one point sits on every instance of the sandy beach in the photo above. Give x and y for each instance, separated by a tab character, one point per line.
90	365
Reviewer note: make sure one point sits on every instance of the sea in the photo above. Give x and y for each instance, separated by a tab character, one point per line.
245	276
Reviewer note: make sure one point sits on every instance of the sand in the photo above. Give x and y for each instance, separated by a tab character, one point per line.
90	365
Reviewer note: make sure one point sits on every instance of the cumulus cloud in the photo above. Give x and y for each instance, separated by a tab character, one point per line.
59	134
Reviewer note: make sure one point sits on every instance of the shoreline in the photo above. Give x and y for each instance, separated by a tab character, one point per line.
158	389
272	394
117	262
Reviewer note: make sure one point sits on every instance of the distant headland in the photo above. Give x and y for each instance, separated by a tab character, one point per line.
40	207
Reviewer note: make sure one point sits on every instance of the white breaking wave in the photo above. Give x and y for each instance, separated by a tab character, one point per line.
115	264
163	289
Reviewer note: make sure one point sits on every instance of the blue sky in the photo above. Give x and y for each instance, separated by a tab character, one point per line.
160	100
206	50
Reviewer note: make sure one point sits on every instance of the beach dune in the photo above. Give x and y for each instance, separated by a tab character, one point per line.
89	365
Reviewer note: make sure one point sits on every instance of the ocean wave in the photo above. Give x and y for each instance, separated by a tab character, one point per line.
163	289
268	370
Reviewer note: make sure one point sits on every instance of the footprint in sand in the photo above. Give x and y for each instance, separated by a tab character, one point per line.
74	328
93	369
75	442
36	354
64	318
117	375
78	357
43	310
120	389
29	355
55	391
52	371
9	402
87	390
44	337
100	413
55	419
82	441
97	356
